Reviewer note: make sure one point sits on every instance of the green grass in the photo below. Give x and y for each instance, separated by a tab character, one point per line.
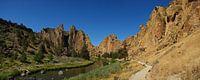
98	73
10	72
47	67
4	75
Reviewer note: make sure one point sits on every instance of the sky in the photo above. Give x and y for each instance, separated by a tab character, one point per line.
97	18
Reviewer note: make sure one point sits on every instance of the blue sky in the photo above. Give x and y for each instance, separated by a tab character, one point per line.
97	18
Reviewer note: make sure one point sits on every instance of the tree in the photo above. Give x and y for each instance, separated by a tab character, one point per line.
50	57
40	55
23	58
84	53
106	55
72	53
121	53
14	57
1	58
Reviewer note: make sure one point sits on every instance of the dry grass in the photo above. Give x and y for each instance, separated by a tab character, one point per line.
180	61
129	68
192	72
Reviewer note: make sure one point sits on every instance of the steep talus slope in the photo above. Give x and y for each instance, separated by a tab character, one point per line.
166	26
180	61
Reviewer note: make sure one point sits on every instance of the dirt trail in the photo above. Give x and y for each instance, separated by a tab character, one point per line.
141	75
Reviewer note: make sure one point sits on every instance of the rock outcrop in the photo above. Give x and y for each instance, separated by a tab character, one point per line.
166	26
77	39
53	36
19	39
53	39
109	44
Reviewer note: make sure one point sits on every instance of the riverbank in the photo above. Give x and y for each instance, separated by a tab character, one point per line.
101	72
115	71
25	69
128	68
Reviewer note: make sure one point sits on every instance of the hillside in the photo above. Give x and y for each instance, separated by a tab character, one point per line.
169	43
17	39
178	61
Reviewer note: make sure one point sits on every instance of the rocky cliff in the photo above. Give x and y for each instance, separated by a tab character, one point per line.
77	39
109	44
16	39
166	26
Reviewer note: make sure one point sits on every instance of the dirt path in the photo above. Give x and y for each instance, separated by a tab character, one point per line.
141	75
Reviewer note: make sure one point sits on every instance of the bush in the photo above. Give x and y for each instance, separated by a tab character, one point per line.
122	53
8	74
72	53
50	57
84	53
106	55
40	55
23	58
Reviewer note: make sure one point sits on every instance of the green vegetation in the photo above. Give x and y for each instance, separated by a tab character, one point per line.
23	58
6	73
99	73
84	53
13	57
72	52
40	55
50	57
122	53
58	66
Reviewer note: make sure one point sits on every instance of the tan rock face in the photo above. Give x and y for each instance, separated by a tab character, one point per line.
109	44
19	39
60	42
166	26
53	36
77	39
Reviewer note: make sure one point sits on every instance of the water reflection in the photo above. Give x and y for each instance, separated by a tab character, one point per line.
60	74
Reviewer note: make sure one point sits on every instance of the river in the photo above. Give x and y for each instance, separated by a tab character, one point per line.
60	74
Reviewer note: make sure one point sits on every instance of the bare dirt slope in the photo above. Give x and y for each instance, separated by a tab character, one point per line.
179	61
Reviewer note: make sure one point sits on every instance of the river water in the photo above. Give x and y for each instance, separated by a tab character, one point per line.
60	74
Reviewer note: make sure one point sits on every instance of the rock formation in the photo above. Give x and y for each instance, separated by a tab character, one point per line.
166	26
19	39
109	44
76	39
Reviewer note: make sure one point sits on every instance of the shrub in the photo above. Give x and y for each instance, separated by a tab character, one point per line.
106	55
84	53
122	53
23	58
71	53
40	55
50	57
